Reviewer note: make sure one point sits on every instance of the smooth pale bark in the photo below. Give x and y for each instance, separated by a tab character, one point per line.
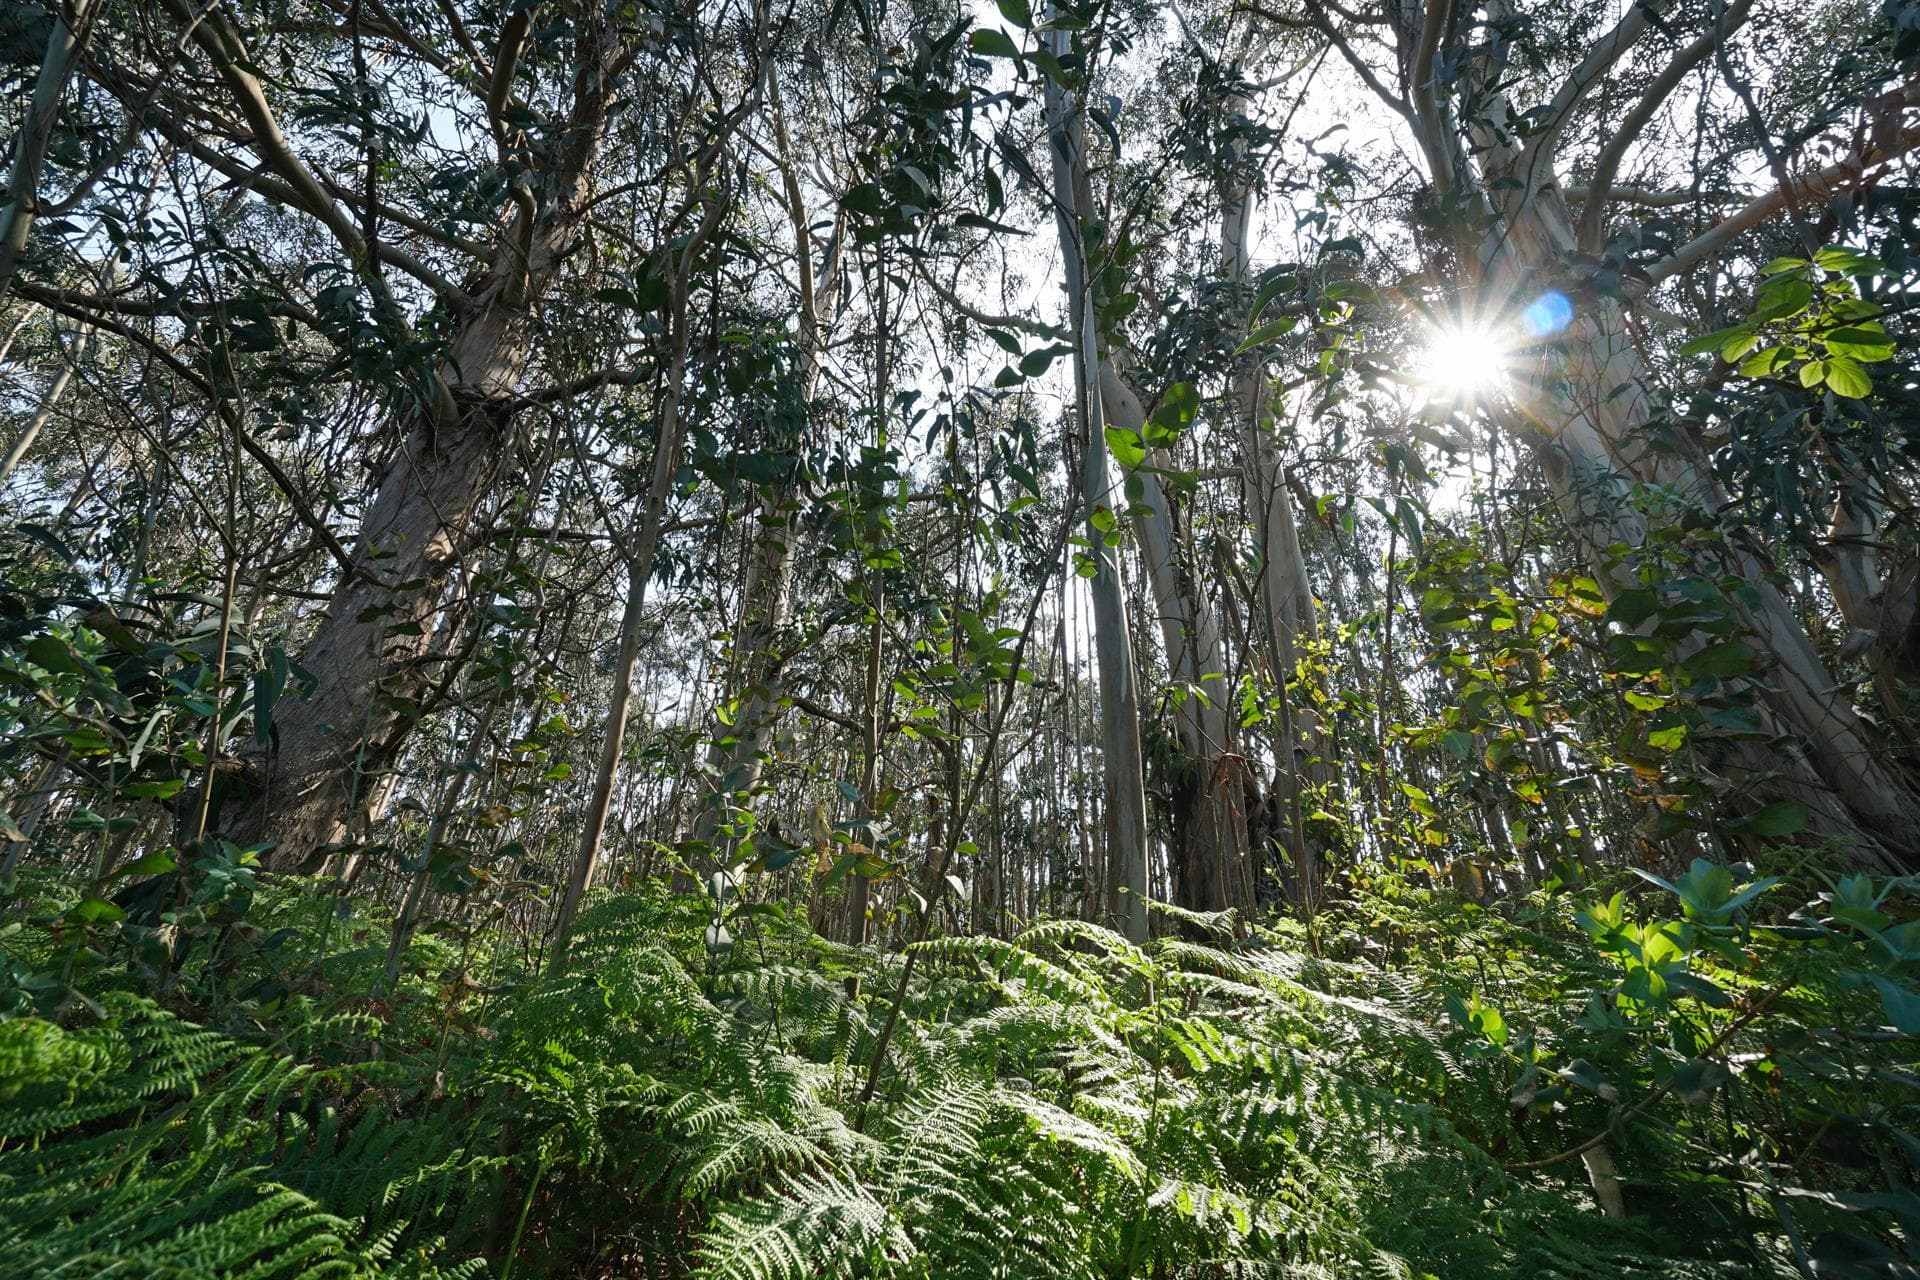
613	739
1125	774
1883	623
1283	595
669	429
1585	408
741	746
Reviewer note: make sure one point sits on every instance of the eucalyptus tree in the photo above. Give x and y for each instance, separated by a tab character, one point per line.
1497	101
460	188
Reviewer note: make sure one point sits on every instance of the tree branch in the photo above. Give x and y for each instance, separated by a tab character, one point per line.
1815	188
1580	81
64	46
53	300
1593	217
1649	198
1318	21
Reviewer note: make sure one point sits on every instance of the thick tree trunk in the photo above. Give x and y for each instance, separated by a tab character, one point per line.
371	655
1587	410
1882	612
1211	869
1587	406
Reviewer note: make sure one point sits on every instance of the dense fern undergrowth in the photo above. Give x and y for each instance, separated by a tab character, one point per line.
1697	1078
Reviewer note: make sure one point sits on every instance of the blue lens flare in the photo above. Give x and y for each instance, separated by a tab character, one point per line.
1547	314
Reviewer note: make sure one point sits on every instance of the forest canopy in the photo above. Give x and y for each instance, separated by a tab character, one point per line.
882	638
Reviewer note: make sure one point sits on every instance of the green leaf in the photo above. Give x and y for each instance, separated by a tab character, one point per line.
1868	342
268	684
1695	1080
1632	607
1786	296
159	862
1267	333
1766	362
1274	286
1035	363
1849	262
1017	12
1902	1006
1781	818
1706	992
992	42
1669	739
55	654
94	911
1727	658
1126	447
1714	341
1846	378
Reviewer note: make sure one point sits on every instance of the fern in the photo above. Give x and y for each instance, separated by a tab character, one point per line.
145	1146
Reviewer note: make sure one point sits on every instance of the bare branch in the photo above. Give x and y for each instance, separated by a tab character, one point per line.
1593	218
1580	81
506	60
1819	187
1318	21
1651	199
54	300
1428	105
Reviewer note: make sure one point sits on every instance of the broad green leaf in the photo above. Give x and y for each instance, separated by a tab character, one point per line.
1846	378
993	43
1781	818
1267	333
1865	342
1125	445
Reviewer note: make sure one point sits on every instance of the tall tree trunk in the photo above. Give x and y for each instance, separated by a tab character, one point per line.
1125	775
1210	860
669	429
741	745
1282	595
